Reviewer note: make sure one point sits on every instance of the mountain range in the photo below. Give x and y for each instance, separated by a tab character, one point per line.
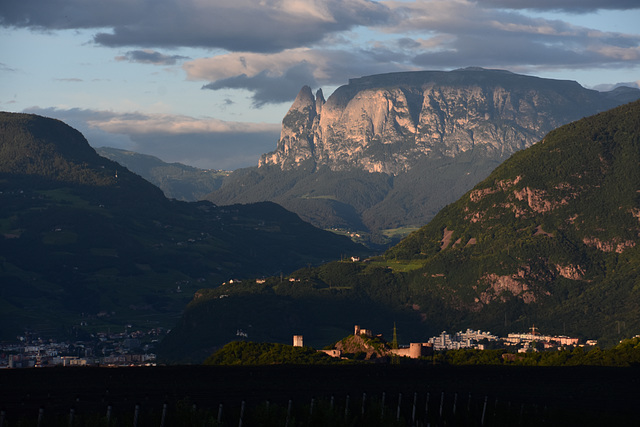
384	153
551	238
177	181
87	245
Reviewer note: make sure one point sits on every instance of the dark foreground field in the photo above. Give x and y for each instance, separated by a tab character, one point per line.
320	395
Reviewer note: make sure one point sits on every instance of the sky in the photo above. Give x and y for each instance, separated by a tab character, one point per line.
207	82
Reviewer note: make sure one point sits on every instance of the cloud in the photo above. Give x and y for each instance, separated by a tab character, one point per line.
278	77
139	124
148	56
273	47
459	33
432	34
267	89
5	68
576	6
234	25
206	143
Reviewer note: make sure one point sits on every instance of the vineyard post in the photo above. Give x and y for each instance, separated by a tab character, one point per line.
426	406
136	413
241	413
484	410
364	399
413	412
288	413
164	414
346	408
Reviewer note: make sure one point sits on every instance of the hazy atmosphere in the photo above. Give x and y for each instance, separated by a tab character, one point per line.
207	83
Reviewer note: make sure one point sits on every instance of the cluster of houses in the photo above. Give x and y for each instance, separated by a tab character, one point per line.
528	341
469	339
104	349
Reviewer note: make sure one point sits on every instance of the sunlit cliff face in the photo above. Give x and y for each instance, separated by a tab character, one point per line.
386	124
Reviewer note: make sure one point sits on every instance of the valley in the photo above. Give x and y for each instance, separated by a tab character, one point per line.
547	238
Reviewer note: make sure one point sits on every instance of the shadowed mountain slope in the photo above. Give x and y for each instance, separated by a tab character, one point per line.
177	181
85	241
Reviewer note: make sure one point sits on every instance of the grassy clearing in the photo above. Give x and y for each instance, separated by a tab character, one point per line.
398	233
327	197
61	237
106	252
63	195
403	266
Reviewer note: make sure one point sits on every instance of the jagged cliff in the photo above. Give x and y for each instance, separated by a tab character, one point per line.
388	123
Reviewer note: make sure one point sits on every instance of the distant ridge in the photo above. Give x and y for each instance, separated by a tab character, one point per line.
177	181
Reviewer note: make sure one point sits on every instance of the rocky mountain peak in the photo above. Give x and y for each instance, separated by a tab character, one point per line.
304	100
296	138
388	123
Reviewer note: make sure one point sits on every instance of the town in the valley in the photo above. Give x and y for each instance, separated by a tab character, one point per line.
136	348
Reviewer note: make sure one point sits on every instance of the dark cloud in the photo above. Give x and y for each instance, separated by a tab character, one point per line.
209	145
465	33
4	67
150	57
267	89
406	42
71	14
235	25
576	6
507	52
277	78
273	46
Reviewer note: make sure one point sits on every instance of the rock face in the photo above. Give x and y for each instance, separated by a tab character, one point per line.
388	123
296	142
